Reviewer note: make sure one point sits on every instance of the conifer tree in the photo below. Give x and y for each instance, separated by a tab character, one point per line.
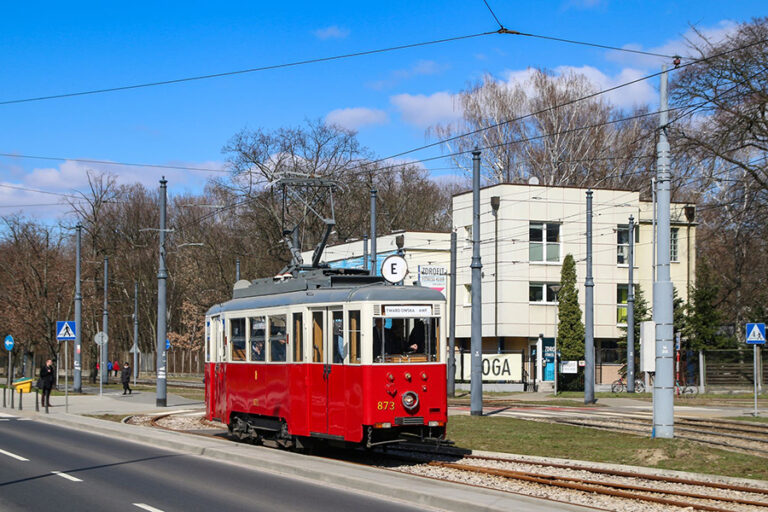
570	329
704	320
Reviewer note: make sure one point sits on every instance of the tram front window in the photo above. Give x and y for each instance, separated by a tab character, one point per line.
405	340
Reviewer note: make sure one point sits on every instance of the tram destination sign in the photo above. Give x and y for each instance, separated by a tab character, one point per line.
407	311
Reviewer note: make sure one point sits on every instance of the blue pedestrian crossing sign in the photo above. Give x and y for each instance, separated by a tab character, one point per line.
65	330
755	334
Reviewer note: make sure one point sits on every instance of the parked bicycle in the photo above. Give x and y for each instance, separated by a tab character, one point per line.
620	386
685	390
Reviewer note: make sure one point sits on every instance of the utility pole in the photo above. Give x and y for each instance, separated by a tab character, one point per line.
237	269
78	379
105	327
135	331
365	252
589	315
162	276
663	392
374	268
631	310
452	324
476	379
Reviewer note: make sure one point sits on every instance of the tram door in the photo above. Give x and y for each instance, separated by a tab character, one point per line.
219	355
327	389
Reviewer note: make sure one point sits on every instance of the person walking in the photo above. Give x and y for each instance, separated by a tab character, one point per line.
116	366
125	377
46	376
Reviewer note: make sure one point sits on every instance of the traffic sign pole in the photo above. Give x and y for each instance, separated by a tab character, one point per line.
8	342
755	336
755	378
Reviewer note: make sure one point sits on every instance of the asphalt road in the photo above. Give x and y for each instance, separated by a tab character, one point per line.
44	467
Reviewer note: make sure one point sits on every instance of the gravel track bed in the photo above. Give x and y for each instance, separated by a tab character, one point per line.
195	422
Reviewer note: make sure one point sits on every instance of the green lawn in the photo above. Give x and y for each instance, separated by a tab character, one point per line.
581	443
758	419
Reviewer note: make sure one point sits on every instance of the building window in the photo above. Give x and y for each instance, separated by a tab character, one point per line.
622	292
467	294
468	236
544	242
543	292
673	254
622	243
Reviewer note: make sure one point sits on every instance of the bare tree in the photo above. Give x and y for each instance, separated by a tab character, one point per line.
542	127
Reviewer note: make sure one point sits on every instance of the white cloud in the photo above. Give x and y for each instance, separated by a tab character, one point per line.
332	32
71	177
640	93
424	111
355	118
679	46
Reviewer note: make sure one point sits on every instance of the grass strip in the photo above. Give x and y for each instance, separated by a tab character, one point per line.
523	437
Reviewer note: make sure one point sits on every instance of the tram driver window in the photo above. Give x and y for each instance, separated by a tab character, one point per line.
298	338
258	349
238	338
278	338
402	340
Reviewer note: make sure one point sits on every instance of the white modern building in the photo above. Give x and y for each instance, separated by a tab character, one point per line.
525	233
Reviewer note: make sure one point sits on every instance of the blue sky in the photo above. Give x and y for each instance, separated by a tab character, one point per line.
60	47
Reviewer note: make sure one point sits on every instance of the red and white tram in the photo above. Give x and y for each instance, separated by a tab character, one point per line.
329	354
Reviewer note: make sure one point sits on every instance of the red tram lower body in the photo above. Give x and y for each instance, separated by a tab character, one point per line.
360	404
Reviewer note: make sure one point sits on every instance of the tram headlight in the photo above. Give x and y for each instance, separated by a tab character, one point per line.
410	400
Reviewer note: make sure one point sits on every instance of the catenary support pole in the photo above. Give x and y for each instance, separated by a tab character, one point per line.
162	276
452	324
237	269
589	316
135	349
476	347
105	326
366	264
631	310
663	393
78	377
374	267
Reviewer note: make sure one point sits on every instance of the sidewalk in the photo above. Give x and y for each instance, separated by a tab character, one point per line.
110	402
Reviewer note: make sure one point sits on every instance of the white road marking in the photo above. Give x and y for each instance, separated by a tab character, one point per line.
17	457
68	477
3	415
147	507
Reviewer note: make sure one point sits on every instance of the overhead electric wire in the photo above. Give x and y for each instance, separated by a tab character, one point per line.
249	70
493	14
107	162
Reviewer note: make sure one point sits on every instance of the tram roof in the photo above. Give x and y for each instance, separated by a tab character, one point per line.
320	287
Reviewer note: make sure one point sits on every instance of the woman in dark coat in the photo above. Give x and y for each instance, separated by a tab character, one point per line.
125	377
46	377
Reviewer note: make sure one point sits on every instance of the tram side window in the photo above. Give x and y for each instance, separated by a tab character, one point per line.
237	325
317	337
258	349
337	340
353	323
278	338
298	338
